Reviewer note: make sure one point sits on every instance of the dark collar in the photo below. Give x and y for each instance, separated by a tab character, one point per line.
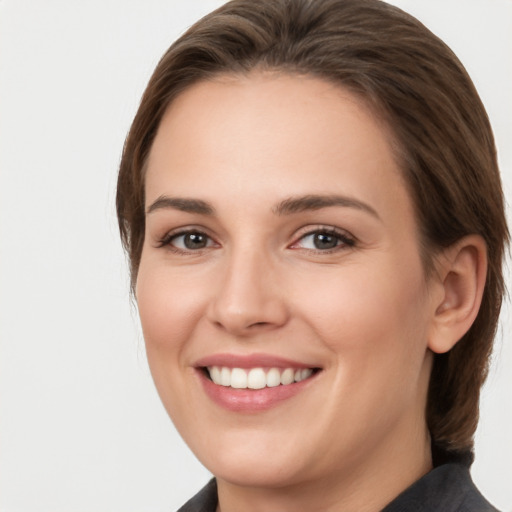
447	488
204	501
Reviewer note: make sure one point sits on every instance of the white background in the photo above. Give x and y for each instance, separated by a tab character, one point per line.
82	428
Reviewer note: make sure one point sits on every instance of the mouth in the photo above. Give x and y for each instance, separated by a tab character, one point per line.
257	378
253	383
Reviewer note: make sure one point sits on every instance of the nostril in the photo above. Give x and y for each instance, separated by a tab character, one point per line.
246	315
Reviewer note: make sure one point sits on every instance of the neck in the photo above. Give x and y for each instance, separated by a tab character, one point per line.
360	487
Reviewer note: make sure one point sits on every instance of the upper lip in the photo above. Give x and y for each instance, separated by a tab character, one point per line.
251	361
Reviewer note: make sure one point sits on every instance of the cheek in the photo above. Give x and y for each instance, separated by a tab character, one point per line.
373	312
169	309
168	314
375	325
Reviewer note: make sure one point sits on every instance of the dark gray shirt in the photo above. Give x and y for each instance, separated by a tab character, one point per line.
447	488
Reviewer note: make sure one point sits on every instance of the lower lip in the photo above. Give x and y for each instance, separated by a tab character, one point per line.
251	400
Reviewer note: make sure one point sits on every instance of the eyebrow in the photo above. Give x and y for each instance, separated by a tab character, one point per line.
183	204
317	202
288	206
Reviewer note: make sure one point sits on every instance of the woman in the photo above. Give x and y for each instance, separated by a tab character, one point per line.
311	204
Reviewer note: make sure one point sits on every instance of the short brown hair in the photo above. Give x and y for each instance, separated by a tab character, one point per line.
445	144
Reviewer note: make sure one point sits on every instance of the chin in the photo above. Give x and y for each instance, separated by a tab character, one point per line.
253	460
267	473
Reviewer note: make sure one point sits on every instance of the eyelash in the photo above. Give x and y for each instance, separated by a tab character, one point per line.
344	240
166	241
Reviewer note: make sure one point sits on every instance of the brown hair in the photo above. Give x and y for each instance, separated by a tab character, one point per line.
408	75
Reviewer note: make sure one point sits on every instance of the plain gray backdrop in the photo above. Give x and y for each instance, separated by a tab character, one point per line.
82	428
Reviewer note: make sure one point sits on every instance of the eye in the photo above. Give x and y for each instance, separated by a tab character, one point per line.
323	240
187	241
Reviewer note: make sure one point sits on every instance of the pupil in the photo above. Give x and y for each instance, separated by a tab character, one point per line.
194	241
325	241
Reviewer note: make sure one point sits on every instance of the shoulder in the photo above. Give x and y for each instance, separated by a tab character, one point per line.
204	501
448	488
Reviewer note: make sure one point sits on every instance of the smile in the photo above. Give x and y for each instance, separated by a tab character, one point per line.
253	383
257	378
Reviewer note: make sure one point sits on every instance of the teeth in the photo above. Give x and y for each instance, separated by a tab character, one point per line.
256	378
287	377
225	377
304	374
215	374
238	378
273	378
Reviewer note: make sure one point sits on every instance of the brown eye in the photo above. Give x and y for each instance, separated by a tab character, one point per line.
195	241
324	240
190	241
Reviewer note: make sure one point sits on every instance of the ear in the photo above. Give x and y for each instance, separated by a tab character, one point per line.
462	270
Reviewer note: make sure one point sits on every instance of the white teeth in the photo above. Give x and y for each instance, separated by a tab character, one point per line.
287	377
305	373
273	378
215	374
256	378
225	377
238	378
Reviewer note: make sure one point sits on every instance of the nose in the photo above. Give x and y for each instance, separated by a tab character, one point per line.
249	297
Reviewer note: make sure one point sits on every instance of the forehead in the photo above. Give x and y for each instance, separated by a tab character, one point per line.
264	132
272	100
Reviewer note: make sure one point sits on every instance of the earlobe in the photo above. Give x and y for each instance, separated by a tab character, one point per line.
462	270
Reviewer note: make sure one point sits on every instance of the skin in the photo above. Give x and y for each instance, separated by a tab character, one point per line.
363	312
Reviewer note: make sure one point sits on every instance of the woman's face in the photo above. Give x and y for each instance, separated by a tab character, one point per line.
281	245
